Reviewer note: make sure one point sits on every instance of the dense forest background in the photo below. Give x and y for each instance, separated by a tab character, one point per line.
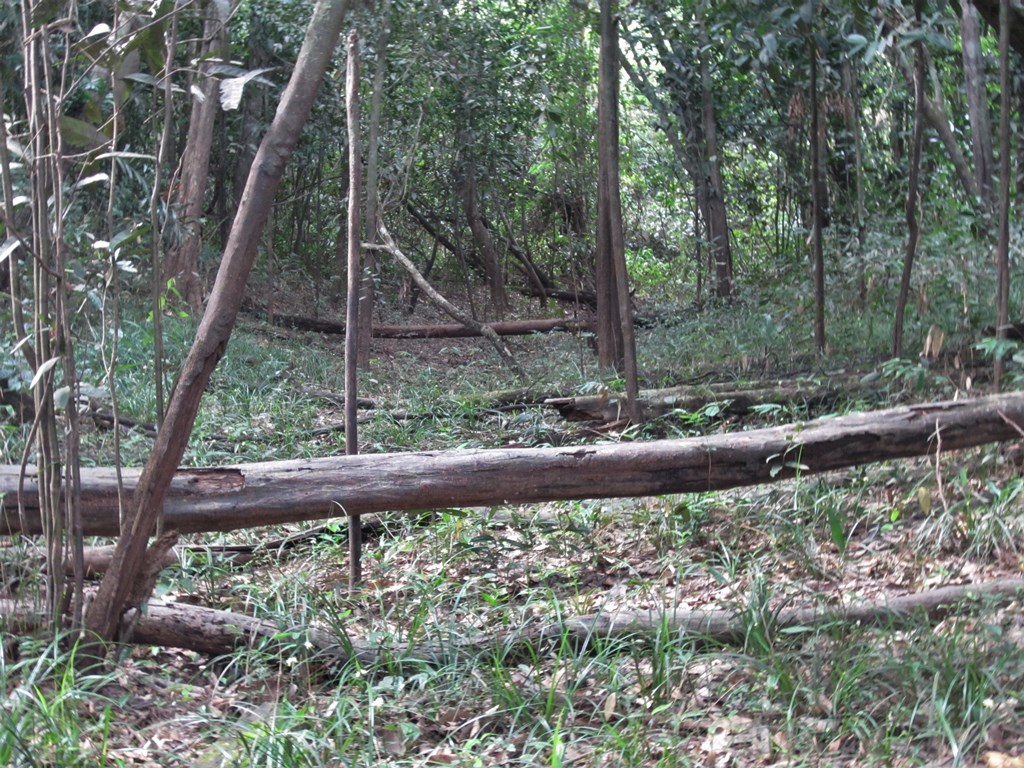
481	122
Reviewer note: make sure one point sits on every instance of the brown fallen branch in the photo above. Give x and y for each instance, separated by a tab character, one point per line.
440	301
216	632
505	328
250	495
732	401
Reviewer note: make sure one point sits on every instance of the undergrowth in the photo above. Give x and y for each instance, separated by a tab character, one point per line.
470	584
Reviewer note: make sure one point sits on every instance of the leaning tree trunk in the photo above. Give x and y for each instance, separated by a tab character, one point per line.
939	121
128	565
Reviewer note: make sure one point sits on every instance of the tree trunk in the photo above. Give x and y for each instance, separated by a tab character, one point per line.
610	344
939	122
230	498
369	273
818	202
104	616
1005	151
352	329
615	317
718	219
913	188
481	235
181	263
977	102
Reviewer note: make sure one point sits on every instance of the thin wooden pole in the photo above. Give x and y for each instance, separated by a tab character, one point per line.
355	530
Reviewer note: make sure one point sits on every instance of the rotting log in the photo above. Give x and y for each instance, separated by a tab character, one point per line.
734	400
216	632
435	331
213	631
246	496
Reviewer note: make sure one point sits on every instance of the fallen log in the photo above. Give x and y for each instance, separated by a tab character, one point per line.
250	495
216	632
451	331
733	400
176	625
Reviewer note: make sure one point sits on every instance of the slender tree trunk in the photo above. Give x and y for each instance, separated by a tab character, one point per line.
977	102
718	219
610	342
854	124
352	329
913	191
1005	150
610	235
44	169
481	235
369	273
129	562
817	206
188	194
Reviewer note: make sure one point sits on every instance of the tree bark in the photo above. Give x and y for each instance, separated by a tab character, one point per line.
369	273
104	616
939	122
181	262
977	102
913	190
481	235
1005	151
230	498
610	235
718	219
352	329
818	202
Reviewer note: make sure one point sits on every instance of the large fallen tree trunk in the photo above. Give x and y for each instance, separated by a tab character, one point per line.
732	399
228	498
452	331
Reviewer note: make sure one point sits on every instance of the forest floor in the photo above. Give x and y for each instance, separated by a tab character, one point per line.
935	694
